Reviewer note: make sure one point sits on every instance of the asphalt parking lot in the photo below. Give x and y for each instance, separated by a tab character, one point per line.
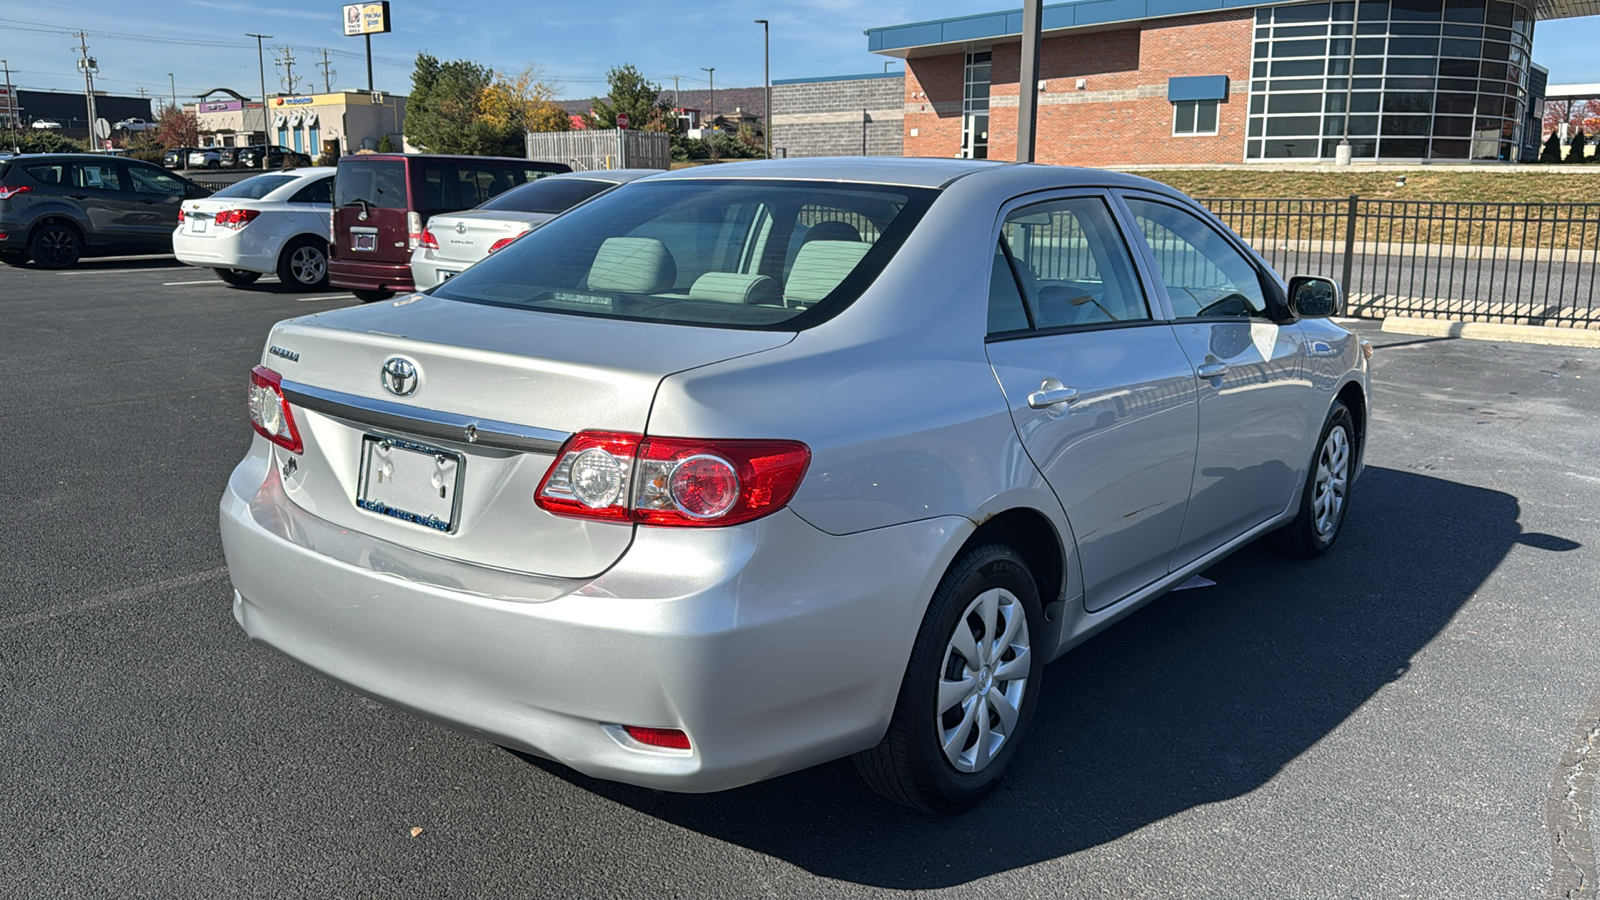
1406	717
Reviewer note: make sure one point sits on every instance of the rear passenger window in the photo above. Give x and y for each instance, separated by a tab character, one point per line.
447	185
1073	265
319	191
1006	310
96	176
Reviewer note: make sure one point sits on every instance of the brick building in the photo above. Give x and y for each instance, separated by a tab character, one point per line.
842	115
1212	81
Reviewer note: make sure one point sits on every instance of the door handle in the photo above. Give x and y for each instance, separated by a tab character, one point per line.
1212	370
78	196
1050	393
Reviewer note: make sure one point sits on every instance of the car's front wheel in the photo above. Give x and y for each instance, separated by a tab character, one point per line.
303	265
1326	494
969	690
56	246
237	277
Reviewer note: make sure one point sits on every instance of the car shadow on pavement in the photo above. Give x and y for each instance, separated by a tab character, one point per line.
1202	696
119	264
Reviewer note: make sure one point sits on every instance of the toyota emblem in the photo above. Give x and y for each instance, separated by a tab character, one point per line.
400	376
461	228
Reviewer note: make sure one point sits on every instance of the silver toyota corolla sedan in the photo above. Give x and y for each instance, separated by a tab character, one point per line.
733	471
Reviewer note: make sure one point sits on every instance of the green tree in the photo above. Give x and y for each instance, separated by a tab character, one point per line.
1552	149
385	144
1575	150
522	102
639	97
442	112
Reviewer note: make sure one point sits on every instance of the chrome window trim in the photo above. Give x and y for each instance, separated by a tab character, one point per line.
424	422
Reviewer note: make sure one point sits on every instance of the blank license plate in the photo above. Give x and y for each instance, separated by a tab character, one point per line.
410	482
363	242
198	225
446	275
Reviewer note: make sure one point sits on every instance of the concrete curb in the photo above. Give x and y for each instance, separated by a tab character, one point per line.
1483	331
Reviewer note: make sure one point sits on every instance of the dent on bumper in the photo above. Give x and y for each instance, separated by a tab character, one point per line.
773	645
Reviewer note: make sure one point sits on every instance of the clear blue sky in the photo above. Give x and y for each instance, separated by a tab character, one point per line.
202	42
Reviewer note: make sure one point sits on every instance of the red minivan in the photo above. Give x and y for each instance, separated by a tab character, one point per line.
381	201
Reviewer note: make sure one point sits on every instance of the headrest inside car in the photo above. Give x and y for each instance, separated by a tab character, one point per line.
632	265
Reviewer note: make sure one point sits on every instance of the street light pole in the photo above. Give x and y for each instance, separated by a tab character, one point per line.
262	66
1028	82
766	77
174	83
713	73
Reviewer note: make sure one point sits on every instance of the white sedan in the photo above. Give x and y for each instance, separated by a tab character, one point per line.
453	241
276	223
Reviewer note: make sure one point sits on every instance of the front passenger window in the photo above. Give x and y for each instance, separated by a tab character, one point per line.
1205	275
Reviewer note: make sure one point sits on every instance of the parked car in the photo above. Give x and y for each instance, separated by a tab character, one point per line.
381	200
58	207
46	124
230	157
134	125
277	157
453	241
276	223
205	158
727	473
177	157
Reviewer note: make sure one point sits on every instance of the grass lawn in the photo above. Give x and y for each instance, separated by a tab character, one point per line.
1509	184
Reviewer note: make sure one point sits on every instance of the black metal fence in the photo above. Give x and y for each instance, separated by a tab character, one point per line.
1519	263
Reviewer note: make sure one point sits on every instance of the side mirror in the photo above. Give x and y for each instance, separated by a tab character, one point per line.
1314	297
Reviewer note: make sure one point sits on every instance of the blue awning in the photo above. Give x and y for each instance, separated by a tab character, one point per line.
1197	87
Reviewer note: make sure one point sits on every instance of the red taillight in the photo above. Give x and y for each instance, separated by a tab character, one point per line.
413	230
269	412
180	215
503	242
6	193
671	481
670	738
429	242
236	218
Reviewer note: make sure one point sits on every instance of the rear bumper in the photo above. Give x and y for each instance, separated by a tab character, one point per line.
774	646
428	272
224	249
370	276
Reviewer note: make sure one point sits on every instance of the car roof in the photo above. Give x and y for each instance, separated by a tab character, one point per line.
611	176
913	172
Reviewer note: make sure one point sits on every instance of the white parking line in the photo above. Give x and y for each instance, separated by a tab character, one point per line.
181	283
328	297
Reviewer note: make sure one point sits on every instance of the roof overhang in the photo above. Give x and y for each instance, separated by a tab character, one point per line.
942	36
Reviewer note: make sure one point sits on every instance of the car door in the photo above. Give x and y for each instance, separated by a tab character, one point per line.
1254	397
1102	395
310	207
98	188
157	196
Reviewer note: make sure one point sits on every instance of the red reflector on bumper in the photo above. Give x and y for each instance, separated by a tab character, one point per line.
670	738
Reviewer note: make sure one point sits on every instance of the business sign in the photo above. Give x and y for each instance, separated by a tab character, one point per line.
293	101
366	18
221	105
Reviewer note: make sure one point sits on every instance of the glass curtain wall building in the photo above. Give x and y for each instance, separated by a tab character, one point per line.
1399	79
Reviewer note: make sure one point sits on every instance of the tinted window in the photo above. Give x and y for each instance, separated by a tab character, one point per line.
48	173
1073	263
553	196
379	183
95	176
150	180
1006	312
319	191
701	252
445	185
1204	274
254	188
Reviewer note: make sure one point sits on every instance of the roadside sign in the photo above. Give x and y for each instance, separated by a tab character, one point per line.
102	128
622	120
108	144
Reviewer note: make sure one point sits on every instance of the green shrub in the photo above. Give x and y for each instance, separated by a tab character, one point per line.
1552	149
1576	150
152	156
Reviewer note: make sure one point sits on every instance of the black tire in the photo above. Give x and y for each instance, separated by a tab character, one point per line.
56	246
372	296
1310	534
14	257
213	164
909	766
237	277
303	264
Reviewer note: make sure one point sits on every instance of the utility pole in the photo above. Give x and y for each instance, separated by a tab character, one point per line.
677	100
89	66
12	119
174	83
261	66
328	74
766	77
713	73
287	63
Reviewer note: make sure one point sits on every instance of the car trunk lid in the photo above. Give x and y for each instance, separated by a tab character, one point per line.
466	237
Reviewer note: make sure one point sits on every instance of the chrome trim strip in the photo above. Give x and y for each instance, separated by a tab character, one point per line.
422	422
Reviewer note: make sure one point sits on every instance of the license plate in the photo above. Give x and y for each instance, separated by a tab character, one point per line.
410	482
446	275
365	242
198	225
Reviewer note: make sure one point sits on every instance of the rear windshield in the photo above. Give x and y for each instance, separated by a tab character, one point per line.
552	196
379	183
448	185
254	188
759	255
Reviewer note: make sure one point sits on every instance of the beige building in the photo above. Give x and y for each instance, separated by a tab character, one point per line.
340	123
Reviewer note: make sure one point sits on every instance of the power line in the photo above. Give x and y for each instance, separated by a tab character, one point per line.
286	63
328	73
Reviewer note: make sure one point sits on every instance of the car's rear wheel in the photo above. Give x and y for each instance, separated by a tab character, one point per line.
303	264
56	246
1326	495
14	257
372	296
237	277
969	690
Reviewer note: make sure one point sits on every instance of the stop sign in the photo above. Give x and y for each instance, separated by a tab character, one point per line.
622	120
